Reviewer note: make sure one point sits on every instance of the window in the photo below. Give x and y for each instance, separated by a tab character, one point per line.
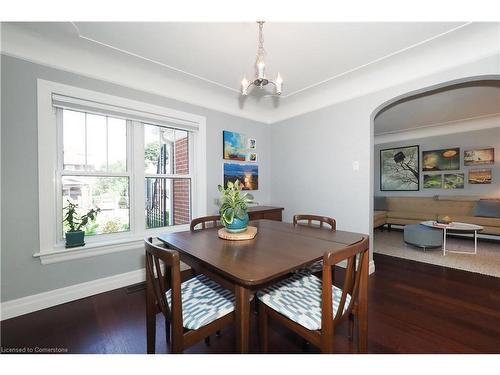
95	170
167	179
142	165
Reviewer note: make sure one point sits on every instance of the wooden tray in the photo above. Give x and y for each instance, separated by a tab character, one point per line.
249	234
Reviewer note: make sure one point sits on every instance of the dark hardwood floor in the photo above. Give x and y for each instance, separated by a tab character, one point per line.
413	308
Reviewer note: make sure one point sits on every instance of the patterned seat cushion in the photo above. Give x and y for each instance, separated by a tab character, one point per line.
313	268
203	301
299	299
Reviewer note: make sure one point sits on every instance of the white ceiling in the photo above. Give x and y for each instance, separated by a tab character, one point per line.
203	63
304	53
438	108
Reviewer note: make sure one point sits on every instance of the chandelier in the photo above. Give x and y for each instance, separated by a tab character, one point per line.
260	79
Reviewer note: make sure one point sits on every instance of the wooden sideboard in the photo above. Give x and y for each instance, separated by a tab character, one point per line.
266	212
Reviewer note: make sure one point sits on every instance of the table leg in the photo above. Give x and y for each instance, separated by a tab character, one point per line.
363	306
242	318
475	242
444	241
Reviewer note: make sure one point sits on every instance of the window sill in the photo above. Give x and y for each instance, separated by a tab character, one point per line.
60	254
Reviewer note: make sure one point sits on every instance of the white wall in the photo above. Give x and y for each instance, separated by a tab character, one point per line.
21	273
312	154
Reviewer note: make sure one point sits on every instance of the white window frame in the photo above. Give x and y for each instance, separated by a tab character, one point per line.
51	249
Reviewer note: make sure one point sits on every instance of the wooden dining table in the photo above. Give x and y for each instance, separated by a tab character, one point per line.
246	266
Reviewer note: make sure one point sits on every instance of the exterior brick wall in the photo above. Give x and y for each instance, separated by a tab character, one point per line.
180	190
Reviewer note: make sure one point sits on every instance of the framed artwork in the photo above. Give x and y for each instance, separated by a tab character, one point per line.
433	181
453	180
479	176
234	146
399	169
441	160
252	144
252	156
247	174
479	157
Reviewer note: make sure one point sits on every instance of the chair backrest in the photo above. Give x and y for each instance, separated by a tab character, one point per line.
159	280
322	220
357	265
205	222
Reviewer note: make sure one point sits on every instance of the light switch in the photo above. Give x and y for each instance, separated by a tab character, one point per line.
355	165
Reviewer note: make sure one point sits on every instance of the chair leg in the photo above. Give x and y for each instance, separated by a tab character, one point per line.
263	333
351	327
150	324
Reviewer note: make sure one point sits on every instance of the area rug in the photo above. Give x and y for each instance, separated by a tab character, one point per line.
486	261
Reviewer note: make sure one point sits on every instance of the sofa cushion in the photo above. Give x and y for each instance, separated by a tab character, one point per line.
487	208
483	221
430	205
380	204
379	215
411	215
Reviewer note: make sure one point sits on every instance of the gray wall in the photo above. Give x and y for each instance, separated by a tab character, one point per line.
466	141
23	275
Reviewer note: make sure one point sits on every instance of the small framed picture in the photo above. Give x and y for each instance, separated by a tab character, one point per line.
252	143
252	156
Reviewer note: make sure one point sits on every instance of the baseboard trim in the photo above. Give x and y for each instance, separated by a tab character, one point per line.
26	305
36	302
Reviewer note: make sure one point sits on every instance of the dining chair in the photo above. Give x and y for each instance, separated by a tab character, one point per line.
315	221
193	310
202	223
205	222
314	307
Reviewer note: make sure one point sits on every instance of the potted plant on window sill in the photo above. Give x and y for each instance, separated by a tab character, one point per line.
75	235
234	207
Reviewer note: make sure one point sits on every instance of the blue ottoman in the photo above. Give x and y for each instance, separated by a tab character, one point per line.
423	236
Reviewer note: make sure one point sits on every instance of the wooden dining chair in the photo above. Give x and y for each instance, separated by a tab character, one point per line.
205	222
314	307
193	309
315	221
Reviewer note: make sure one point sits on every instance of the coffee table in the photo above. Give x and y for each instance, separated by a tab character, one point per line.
455	227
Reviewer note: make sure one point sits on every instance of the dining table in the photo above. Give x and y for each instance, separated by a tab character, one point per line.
246	266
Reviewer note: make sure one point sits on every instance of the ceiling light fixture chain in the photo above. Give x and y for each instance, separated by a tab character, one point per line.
260	79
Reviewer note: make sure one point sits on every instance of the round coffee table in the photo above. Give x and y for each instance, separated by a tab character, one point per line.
455	227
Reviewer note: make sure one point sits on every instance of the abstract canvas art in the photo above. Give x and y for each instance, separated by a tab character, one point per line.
480	176
453	180
441	160
234	145
399	169
247	174
433	181
479	157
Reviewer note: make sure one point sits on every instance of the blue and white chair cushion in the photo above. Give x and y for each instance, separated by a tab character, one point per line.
299	299
203	301
313	268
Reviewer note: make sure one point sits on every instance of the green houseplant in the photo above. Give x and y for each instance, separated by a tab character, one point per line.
75	235
234	207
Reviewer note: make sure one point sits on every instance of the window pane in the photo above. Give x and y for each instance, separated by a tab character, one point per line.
96	143
168	202
74	140
110	194
158	143
181	158
117	145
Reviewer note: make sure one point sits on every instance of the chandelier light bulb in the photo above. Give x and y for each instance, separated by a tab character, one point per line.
261	66
244	86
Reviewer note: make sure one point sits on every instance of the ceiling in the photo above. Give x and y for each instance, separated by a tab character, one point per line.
203	63
305	54
450	104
